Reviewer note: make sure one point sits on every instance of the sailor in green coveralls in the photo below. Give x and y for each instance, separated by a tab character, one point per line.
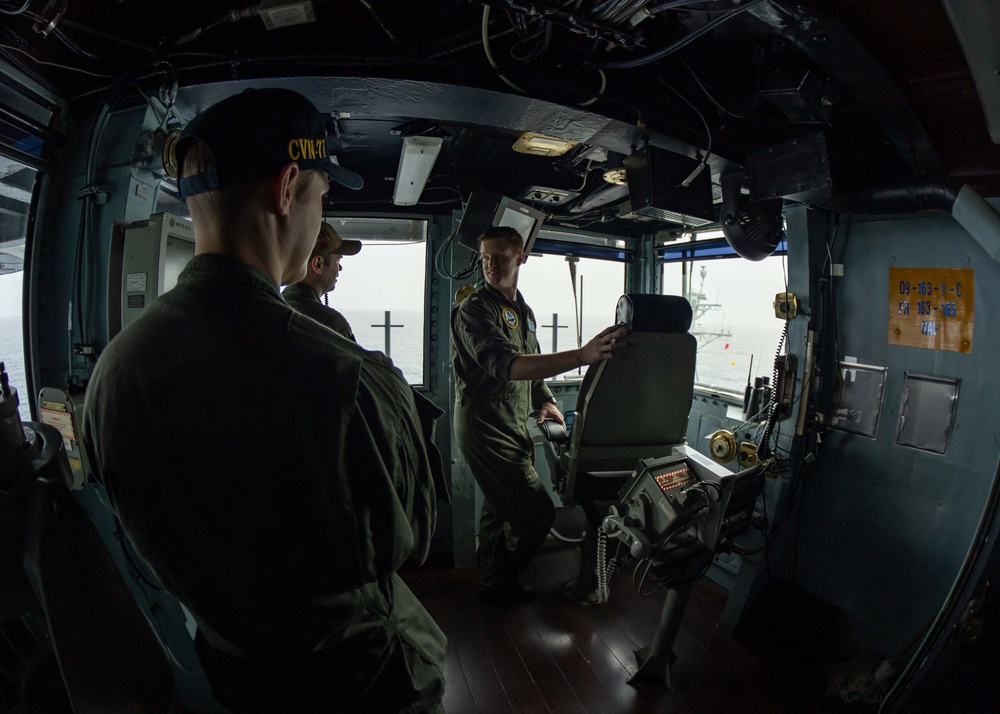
322	272
499	380
273	475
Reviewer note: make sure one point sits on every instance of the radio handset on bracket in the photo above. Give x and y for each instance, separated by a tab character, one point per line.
786	307
785	367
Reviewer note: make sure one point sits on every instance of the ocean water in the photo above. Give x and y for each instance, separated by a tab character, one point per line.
406	343
723	363
12	355
727	362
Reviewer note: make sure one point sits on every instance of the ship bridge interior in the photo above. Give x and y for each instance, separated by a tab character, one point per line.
856	142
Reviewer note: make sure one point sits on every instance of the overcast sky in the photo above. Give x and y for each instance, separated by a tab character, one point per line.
744	288
389	277
382	277
386	277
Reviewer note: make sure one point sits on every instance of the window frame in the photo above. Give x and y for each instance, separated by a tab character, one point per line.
704	247
583	245
413	229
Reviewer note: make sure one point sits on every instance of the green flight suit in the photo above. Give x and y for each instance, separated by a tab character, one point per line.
275	477
491	413
303	298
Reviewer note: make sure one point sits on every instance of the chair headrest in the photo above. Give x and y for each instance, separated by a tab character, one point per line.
654	313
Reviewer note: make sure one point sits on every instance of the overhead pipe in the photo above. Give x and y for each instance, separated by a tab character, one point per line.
913	197
964	204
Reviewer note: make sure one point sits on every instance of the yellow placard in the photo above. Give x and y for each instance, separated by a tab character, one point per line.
931	308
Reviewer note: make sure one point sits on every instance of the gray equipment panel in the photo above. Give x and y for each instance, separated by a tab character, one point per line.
153	254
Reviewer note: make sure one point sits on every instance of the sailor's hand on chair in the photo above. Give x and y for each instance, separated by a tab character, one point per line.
607	345
550	411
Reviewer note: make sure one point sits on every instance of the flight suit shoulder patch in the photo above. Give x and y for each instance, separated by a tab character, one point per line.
509	317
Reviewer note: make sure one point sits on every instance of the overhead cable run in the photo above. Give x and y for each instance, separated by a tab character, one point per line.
682	42
543	38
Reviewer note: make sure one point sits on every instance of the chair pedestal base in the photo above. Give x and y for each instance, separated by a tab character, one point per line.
655	660
653	667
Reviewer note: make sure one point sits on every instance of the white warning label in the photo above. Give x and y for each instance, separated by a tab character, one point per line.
62	422
135	282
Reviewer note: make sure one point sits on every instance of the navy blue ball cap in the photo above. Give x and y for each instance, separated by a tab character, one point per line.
256	133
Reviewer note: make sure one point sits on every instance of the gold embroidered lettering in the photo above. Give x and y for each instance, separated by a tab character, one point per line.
299	149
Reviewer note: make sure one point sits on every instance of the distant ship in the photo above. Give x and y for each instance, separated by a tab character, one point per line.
700	305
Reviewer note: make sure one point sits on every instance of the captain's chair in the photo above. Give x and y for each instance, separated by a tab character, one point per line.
632	407
628	432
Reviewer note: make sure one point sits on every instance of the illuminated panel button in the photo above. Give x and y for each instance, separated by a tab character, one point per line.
673	479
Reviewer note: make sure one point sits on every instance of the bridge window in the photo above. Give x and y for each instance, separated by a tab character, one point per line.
732	300
16	186
547	283
384	284
12	336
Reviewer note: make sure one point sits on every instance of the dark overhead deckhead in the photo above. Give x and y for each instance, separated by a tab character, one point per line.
886	84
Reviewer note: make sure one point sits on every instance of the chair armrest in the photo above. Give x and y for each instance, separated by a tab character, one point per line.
554	431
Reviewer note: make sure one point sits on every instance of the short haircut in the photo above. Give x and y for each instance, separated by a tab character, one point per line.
212	205
505	233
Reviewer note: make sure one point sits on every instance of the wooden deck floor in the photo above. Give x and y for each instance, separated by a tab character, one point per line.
554	656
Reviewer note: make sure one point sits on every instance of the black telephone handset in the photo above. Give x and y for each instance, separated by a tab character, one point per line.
785	367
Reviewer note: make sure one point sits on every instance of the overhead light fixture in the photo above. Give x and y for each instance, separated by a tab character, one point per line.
541	145
616	177
415	164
